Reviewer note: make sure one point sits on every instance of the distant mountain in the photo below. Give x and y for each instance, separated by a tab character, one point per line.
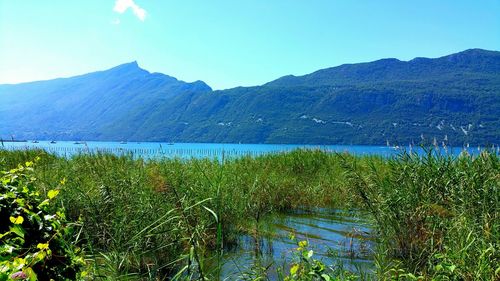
450	68
455	99
106	105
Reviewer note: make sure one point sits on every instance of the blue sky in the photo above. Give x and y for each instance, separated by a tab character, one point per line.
229	43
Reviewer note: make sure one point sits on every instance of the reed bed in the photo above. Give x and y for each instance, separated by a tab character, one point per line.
436	216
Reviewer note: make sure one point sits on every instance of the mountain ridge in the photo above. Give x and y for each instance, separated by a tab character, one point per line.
400	65
453	98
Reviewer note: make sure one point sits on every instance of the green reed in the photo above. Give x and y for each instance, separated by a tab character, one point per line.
436	216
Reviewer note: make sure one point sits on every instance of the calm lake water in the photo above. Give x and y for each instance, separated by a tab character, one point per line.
200	150
338	238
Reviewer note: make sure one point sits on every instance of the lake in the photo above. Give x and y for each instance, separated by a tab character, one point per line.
202	150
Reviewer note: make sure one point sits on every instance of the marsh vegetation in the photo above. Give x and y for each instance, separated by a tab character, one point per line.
431	216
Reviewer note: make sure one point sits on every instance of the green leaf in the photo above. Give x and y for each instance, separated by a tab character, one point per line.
17	220
4	276
303	244
310	254
30	273
325	277
52	193
42	246
2	235
17	229
213	213
19	263
40	256
44	203
20	202
6	249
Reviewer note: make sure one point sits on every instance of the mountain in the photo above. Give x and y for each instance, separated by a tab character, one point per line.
111	104
455	98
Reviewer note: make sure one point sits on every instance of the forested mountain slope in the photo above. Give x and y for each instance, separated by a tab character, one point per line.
454	98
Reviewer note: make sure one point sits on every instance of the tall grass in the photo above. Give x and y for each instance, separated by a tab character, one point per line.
437	216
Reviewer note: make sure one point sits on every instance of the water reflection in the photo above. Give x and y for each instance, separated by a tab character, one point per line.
338	238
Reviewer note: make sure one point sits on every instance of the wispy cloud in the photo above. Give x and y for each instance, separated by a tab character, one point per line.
122	5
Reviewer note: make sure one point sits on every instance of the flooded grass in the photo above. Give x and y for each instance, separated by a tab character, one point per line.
332	240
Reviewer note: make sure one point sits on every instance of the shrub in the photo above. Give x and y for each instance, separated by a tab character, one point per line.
35	238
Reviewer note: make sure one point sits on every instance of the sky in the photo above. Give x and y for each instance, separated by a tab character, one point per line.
229	43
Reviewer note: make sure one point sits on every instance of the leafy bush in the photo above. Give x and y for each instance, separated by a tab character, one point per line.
34	234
